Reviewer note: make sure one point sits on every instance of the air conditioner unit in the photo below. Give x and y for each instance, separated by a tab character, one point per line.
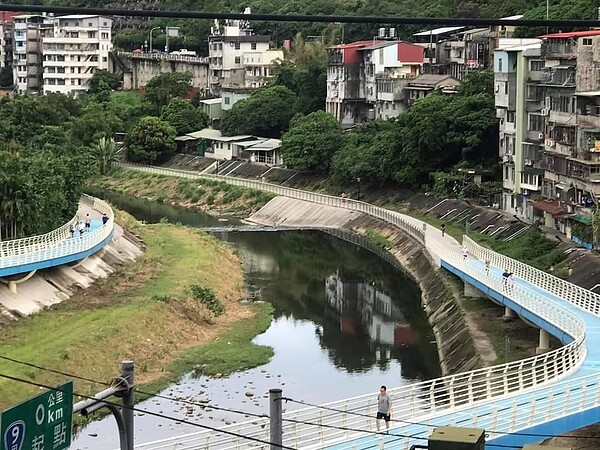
549	143
545	111
528	162
541	136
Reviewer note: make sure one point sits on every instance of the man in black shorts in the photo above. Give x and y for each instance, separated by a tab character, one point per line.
384	408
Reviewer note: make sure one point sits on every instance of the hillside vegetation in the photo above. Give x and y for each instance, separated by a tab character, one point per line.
131	33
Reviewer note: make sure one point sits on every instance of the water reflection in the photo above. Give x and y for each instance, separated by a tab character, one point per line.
345	323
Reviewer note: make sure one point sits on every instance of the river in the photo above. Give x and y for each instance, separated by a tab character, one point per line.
345	322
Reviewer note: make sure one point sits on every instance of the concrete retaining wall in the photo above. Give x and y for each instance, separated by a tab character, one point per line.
456	349
51	286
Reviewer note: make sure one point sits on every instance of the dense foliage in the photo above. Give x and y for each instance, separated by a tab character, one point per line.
51	144
266	113
184	116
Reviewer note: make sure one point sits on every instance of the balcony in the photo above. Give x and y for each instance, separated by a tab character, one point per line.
559	48
561	117
562	76
391	89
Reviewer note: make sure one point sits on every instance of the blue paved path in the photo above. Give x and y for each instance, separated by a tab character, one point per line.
64	252
569	391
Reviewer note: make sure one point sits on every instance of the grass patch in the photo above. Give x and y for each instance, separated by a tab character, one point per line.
217	196
378	239
144	312
532	248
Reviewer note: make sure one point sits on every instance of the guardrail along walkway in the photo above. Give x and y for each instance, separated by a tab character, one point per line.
516	403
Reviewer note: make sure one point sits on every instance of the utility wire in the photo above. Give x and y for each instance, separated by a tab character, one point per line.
139	391
150	413
448	21
287	399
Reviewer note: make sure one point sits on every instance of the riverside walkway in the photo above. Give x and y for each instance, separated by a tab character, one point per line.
20	258
516	403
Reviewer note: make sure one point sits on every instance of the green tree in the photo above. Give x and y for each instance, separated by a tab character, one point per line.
266	113
97	120
162	88
103	81
304	71
312	142
149	140
480	82
184	116
105	152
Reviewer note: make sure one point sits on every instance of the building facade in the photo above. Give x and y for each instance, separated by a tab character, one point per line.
367	79
29	31
238	57
548	102
77	46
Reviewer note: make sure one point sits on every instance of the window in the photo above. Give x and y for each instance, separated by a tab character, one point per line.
510	116
104	36
536	122
237	45
91	35
90	24
104	59
587	41
237	59
536	65
253	46
104	24
226	100
499	64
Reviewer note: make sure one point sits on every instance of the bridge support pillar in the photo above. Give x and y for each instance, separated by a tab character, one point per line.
472	292
544	344
509	313
12	286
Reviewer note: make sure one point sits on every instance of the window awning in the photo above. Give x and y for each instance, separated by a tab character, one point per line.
582	218
562	187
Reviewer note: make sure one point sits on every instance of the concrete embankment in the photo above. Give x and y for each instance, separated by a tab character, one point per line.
51	286
456	349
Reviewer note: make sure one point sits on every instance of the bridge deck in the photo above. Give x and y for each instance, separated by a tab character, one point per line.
482	415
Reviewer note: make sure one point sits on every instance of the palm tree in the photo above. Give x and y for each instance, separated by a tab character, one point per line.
105	151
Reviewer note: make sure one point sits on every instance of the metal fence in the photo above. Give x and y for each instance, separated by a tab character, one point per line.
491	397
57	243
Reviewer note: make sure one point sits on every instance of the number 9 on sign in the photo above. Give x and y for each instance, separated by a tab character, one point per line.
14	435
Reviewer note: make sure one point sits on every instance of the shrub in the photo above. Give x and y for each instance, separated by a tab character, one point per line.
207	297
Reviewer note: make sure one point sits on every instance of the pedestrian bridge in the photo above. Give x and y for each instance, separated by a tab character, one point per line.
21	258
516	403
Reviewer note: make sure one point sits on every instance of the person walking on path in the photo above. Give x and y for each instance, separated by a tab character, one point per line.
507	278
72	231
88	222
104	219
465	252
384	408
443	228
487	267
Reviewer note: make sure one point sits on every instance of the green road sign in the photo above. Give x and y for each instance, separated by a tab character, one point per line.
44	422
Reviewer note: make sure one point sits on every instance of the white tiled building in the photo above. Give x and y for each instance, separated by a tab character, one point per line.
76	48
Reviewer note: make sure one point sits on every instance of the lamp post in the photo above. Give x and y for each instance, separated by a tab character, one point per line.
151	31
358	188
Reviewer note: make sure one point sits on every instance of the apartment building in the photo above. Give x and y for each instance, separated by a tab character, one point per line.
75	48
29	30
548	102
238	57
367	79
516	67
456	51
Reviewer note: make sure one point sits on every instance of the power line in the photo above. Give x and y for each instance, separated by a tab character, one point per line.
287	399
139	391
150	413
448	21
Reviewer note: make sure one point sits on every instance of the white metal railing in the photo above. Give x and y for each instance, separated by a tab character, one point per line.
443	397
57	243
581	297
164	56
391	217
